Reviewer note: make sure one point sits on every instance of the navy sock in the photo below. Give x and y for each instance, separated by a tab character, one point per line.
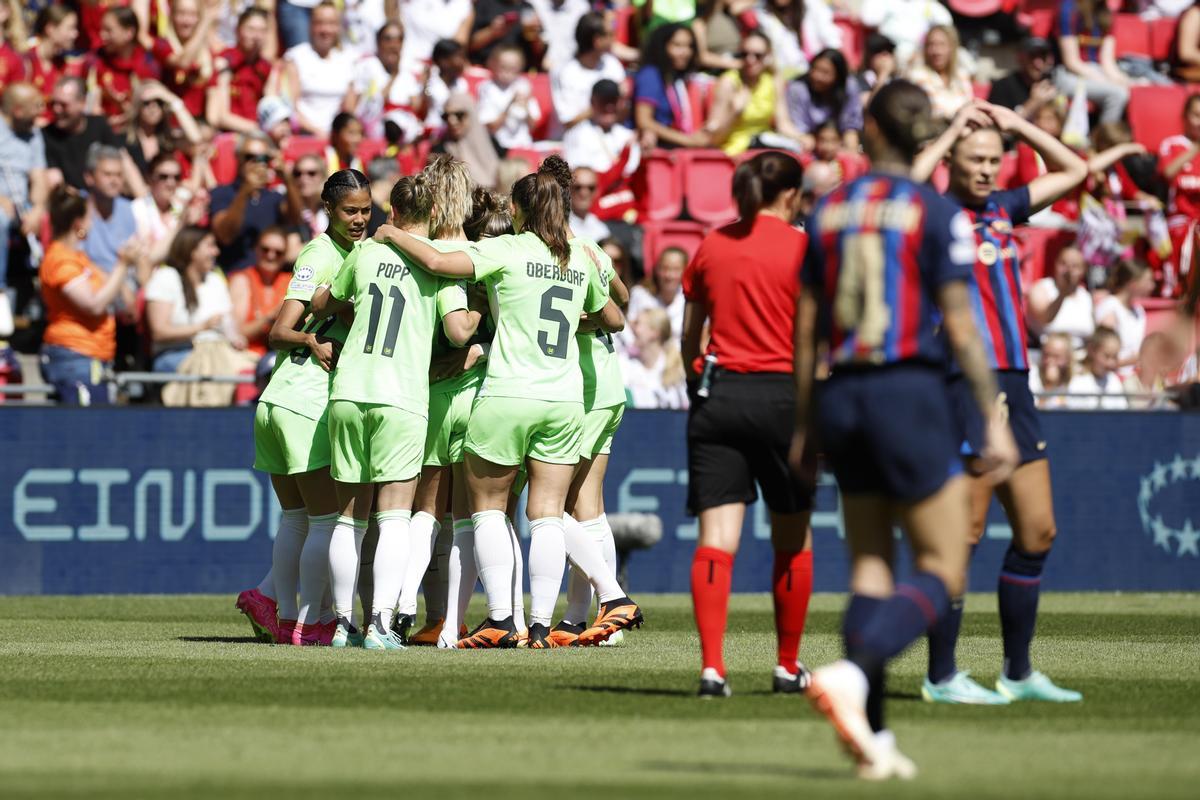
1019	586
914	607
858	616
943	640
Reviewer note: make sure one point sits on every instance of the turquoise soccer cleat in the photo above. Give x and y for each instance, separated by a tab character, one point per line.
1036	687
380	637
346	635
959	689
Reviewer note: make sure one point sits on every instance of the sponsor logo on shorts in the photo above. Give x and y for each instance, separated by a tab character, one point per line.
1174	536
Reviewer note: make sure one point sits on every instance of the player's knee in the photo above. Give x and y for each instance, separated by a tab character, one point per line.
1040	537
951	571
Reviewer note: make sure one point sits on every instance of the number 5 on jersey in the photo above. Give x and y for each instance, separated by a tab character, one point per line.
557	348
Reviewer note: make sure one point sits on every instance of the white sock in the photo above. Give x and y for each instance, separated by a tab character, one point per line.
434	585
421	532
586	555
391	560
314	568
518	590
547	559
461	574
602	533
327	615
345	548
285	559
266	586
579	596
494	555
366	575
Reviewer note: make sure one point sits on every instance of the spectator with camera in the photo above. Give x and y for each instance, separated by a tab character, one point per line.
245	208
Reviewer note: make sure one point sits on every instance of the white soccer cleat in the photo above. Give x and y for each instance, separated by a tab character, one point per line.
839	692
889	761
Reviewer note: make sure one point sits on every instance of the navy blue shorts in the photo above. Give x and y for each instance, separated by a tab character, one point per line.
1022	415
887	431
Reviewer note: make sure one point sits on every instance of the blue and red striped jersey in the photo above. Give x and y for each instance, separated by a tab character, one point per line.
879	249
996	284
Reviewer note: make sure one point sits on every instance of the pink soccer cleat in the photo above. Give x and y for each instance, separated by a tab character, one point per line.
309	635
325	631
262	613
284	633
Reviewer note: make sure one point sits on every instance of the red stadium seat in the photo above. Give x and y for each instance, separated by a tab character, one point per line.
658	236
1038	16
707	185
940	177
539	82
299	146
534	155
1162	38
224	161
981	90
371	149
660	185
475	77
1132	35
625	26
854	39
700	97
1156	112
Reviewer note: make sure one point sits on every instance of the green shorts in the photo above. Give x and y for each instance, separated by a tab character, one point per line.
506	430
599	427
374	443
448	416
287	443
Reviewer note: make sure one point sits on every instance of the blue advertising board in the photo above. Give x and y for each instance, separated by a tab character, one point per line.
132	500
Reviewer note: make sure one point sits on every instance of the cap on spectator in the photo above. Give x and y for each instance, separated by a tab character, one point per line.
606	91
1036	44
272	111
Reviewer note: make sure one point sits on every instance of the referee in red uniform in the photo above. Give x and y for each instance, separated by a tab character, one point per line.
744	280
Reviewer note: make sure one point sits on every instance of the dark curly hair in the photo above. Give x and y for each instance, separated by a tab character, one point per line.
490	215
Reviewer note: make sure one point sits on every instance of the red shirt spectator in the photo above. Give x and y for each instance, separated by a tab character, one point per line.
46	61
91	18
118	64
247	83
747	275
182	52
1184	184
12	68
242	74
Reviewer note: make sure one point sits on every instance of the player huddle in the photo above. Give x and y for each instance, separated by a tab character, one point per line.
423	378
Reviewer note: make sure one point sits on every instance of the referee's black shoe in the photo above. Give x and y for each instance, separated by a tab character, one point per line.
713	685
787	683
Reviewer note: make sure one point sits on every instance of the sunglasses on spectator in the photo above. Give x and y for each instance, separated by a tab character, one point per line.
271	251
457	115
167	176
306	173
748	54
257	158
584	187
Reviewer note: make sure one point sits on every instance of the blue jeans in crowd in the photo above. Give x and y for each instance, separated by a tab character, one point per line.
293	23
169	360
79	380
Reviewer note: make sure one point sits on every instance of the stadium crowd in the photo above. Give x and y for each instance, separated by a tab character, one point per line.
161	161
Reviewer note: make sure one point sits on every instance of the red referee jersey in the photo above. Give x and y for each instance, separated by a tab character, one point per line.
747	276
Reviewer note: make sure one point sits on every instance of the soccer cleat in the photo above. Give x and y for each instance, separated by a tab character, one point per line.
402	625
1036	687
616	640
346	635
838	691
615	615
310	635
565	634
378	637
523	638
285	630
262	613
447	640
539	638
960	689
889	761
490	634
427	636
785	682
713	685
325	631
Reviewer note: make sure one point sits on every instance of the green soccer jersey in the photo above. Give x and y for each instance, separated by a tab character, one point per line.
299	383
536	305
386	357
453	297
603	385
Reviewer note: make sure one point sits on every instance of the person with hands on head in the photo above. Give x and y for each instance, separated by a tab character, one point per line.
291	436
242	210
530	407
974	147
885	286
662	109
379	407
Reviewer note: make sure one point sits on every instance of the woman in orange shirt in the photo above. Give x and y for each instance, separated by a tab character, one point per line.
257	292
81	337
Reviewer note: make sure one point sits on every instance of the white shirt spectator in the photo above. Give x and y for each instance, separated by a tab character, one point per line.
495	102
644	385
559	18
1131	327
640	298
1076	316
905	22
212	299
589	145
361	20
790	51
571	85
322	82
589	227
371	81
439	94
1053	398
1087	383
425	23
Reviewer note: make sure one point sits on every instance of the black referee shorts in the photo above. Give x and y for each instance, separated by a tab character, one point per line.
739	436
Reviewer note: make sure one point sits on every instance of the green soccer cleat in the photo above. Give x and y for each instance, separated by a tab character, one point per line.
378	637
1036	687
959	689
346	635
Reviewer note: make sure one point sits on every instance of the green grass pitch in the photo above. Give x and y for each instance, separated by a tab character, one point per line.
130	697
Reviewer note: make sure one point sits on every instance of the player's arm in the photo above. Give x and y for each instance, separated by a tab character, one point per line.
461	325
453	264
1066	169
969	116
804	371
324	304
609	319
618	291
288	334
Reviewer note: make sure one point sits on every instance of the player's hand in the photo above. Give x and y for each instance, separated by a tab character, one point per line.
999	457
473	357
1005	118
325	353
972	116
387	233
1042	92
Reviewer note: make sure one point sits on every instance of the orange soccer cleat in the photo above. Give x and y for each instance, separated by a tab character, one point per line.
540	638
491	635
615	615
566	634
427	636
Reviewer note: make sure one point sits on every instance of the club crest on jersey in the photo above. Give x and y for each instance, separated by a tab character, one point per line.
303	275
987	253
1175	537
1001	226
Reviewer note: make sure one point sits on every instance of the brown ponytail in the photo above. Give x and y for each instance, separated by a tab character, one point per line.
541	199
412	200
759	181
902	112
